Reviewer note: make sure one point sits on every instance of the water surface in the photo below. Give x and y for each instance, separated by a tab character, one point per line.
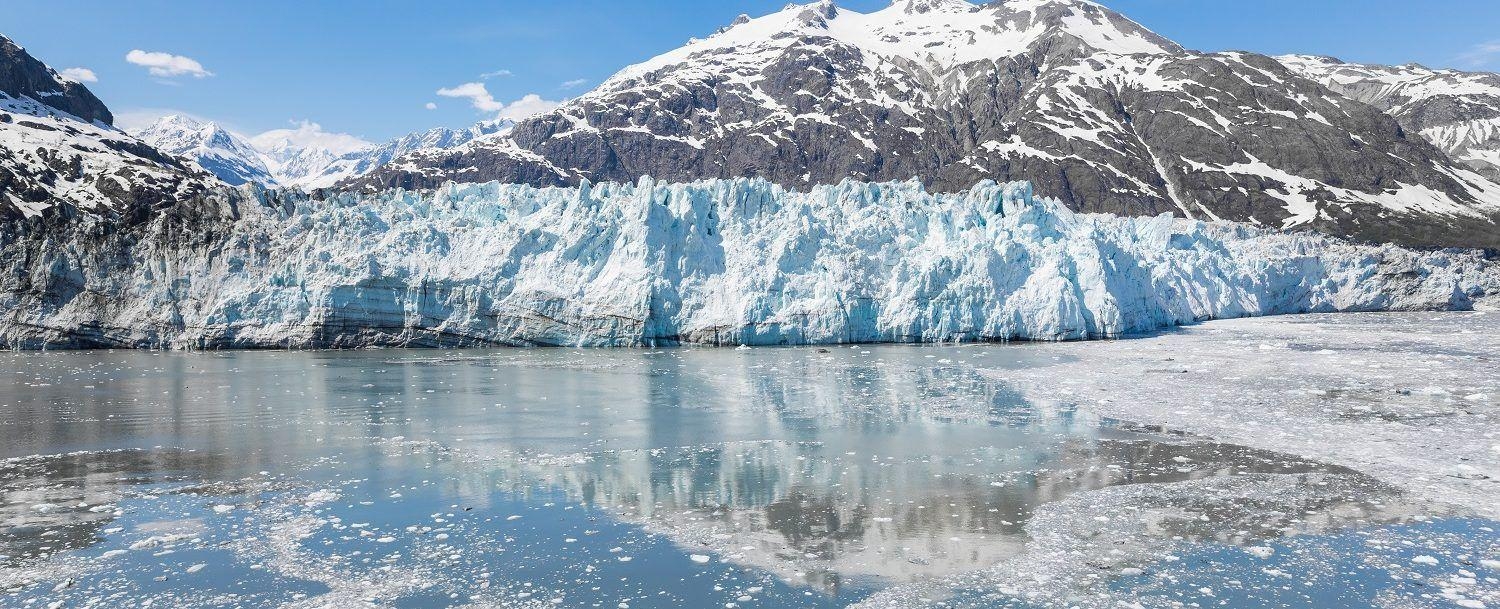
561	478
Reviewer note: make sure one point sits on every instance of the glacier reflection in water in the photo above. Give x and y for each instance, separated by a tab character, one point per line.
807	477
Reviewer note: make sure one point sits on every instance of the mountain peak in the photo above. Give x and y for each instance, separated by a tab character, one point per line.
22	75
937	34
211	146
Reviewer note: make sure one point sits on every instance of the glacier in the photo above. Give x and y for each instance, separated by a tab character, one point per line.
716	262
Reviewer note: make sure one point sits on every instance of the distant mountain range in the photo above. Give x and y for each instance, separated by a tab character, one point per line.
213	148
274	161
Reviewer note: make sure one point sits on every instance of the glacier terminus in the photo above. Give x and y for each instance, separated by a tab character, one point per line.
721	262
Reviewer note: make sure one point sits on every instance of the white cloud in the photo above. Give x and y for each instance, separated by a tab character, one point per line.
307	134
79	75
489	75
430	106
1482	54
166	65
477	95
480	98
529	105
577	82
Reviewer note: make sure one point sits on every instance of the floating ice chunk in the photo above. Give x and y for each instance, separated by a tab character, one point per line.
1425	560
159	540
1261	552
320	497
699	558
196	568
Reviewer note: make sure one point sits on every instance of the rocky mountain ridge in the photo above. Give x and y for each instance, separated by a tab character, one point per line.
1088	105
1459	112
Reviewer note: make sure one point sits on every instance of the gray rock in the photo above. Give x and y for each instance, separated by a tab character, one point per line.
1459	112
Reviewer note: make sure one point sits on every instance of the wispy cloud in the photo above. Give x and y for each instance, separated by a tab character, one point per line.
307	134
79	75
495	74
530	104
476	93
479	96
430	106
1480	55
573	84
167	65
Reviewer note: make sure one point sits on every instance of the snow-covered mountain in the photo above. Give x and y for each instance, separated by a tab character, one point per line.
1459	112
1090	106
360	162
212	147
714	262
58	148
298	154
304	157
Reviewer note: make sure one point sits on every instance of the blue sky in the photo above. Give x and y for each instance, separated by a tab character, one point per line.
370	68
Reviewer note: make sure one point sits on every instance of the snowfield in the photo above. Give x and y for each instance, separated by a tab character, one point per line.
724	262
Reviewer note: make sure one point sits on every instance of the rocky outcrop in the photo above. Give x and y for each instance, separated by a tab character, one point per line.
21	75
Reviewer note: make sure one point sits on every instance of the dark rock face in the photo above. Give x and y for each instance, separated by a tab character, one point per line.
22	75
1091	107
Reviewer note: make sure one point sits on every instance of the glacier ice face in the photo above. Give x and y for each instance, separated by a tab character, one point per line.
713	262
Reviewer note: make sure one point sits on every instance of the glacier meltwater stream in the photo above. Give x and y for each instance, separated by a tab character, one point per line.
1315	461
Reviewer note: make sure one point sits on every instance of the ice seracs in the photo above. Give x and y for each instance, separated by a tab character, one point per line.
723	262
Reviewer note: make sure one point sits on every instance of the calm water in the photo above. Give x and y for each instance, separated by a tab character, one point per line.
556	478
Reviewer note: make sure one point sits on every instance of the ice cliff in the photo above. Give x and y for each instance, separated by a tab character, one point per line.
715	262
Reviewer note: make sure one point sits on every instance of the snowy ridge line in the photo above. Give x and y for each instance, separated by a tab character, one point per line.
719	262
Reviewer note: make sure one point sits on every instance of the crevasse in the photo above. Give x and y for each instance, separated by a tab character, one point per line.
713	262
